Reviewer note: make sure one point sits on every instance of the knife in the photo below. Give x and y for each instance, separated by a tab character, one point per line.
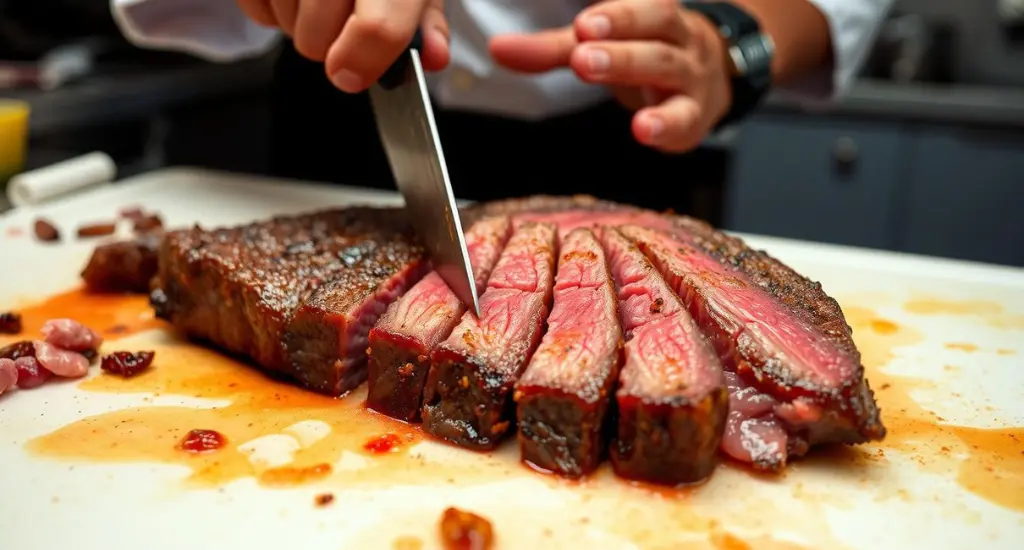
405	121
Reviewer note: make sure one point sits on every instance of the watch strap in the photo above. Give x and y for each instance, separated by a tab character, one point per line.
749	50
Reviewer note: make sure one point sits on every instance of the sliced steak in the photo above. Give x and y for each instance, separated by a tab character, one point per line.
123	266
672	400
799	380
468	396
401	343
297	295
563	396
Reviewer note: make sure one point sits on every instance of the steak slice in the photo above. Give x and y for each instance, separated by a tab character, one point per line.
563	396
401	343
297	295
798	378
123	266
672	400
468	396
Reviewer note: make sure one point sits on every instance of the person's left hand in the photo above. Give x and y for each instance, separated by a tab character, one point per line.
661	60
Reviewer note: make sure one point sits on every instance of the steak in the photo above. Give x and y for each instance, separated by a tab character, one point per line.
798	377
297	295
410	329
468	396
562	398
672	400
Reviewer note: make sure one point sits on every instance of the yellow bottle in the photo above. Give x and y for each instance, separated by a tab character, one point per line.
13	137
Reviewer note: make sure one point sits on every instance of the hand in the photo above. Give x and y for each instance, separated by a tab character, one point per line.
664	62
357	39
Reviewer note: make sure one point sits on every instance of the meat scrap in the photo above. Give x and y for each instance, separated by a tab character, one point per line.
468	395
672	400
563	396
46	231
10	323
31	373
202	441
811	373
147	224
126	363
71	335
96	230
123	266
461	530
412	326
295	294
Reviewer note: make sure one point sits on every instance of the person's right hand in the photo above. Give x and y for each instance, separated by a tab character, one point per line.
357	39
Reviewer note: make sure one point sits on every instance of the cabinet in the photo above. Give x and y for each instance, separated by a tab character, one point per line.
826	180
925	188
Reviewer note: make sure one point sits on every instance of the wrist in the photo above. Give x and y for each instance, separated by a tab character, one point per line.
715	52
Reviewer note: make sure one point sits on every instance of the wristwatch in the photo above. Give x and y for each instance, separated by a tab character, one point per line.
750	55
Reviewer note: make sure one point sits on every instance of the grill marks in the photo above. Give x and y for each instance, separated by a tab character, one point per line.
468	395
562	397
671	399
401	343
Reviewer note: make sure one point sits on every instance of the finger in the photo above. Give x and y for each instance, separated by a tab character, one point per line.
372	39
259	11
284	12
535	52
632	20
318	24
673	126
436	50
656	64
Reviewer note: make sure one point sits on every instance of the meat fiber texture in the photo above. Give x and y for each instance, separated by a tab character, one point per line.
562	398
672	399
468	395
412	326
793	372
297	295
796	379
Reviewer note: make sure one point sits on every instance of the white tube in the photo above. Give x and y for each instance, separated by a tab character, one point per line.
62	178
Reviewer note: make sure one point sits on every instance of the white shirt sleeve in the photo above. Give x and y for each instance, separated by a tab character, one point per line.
215	30
854	24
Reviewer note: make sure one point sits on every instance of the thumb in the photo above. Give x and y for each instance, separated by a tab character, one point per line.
535	52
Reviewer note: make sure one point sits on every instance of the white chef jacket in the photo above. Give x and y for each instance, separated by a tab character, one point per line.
217	30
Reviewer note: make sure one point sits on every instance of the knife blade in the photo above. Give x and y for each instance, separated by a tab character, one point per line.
405	122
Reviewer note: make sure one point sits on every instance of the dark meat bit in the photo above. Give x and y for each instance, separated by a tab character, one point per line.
24	348
125	266
563	396
461	530
202	441
468	395
801	356
295	294
416	323
131	213
10	323
46	231
126	363
672	400
96	230
324	499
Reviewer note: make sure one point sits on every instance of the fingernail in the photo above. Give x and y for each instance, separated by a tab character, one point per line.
598	60
654	127
347	80
598	25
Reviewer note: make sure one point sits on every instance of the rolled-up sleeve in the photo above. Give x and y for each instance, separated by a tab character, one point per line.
215	30
853	24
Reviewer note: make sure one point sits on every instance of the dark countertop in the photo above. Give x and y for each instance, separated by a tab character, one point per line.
127	94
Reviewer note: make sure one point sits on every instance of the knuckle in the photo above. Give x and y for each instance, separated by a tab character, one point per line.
381	32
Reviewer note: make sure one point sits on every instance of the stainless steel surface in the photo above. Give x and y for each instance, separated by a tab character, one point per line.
405	120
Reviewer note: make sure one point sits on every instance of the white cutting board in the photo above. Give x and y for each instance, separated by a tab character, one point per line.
943	340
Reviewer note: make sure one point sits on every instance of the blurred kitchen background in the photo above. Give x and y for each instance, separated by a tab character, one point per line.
926	155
